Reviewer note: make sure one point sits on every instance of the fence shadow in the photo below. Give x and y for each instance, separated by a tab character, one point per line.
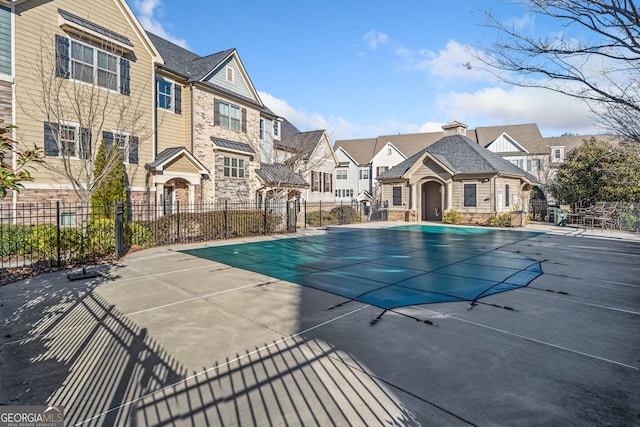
80	352
284	383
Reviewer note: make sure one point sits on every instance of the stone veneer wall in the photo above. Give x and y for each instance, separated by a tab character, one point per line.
219	186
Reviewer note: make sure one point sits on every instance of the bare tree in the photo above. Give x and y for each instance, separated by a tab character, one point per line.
595	56
83	106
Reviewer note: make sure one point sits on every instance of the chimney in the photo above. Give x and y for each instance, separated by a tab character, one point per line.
455	128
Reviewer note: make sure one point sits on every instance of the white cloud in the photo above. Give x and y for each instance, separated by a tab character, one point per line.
376	38
553	112
456	62
148	12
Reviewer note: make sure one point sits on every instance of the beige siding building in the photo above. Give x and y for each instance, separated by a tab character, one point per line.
454	173
83	76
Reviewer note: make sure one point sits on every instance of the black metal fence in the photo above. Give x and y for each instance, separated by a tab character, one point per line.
322	214
35	238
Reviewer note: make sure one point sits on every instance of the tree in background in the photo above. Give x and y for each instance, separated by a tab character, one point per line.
599	171
13	175
595	56
112	188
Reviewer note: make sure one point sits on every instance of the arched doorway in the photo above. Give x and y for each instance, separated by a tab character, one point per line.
431	201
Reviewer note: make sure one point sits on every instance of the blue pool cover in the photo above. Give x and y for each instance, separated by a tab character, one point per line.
391	267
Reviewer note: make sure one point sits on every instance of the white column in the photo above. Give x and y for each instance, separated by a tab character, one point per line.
159	199
192	196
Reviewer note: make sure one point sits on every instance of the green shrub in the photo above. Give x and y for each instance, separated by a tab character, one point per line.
452	217
42	242
313	217
503	220
13	238
101	237
138	234
344	214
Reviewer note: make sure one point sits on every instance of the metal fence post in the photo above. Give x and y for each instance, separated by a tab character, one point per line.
226	219
305	214
118	212
178	219
58	233
320	213
266	231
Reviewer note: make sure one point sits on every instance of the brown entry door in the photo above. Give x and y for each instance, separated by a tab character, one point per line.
431	202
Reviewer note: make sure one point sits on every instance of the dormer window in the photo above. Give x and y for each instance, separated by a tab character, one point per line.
557	154
276	128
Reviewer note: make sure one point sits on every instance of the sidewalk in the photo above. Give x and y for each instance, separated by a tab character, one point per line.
578	231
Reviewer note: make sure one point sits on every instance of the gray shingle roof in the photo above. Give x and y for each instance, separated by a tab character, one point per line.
164	156
573	141
95	27
232	145
185	63
300	143
279	174
363	150
463	157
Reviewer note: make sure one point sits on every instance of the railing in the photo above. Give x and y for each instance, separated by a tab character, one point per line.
36	238
322	214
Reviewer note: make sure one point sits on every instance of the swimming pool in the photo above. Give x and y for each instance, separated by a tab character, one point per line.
391	267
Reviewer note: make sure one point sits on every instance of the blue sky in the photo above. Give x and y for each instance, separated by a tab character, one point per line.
360	69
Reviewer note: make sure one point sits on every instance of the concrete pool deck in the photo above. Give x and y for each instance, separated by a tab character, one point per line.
167	338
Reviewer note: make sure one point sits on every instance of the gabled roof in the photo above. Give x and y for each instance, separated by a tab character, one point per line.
346	153
361	150
225	144
278	174
572	141
461	156
514	144
300	144
196	68
364	150
527	135
170	154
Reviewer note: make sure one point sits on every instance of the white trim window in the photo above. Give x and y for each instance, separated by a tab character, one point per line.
276	129
229	116
165	94
92	65
557	154
68	137
341	173
234	167
261	129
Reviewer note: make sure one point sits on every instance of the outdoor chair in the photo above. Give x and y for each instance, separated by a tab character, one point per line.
594	214
604	214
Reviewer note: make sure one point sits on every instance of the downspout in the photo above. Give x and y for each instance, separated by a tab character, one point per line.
192	121
14	117
371	178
